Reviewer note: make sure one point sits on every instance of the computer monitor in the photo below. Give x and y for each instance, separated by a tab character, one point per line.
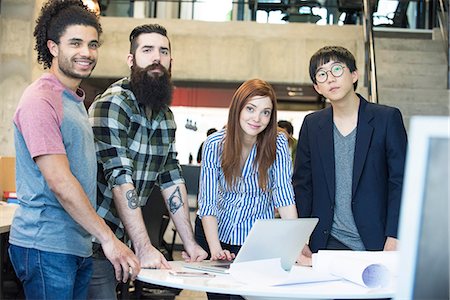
424	225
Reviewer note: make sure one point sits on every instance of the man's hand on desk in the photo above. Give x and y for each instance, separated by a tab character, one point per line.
305	257
390	244
194	253
152	258
122	258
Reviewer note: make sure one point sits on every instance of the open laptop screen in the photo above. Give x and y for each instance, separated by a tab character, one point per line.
271	238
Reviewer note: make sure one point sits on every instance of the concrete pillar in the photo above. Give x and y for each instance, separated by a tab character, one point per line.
17	63
140	9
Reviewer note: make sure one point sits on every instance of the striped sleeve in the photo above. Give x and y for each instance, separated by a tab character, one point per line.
209	176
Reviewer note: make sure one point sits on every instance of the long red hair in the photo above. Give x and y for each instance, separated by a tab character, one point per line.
266	140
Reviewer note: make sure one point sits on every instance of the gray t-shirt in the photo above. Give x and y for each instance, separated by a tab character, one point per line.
51	119
344	227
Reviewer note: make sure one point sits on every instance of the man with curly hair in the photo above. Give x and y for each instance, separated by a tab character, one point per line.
51	234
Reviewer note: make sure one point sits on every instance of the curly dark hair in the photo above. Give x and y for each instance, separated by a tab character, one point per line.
55	17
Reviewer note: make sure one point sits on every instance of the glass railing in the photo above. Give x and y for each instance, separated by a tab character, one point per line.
443	15
412	15
417	14
370	65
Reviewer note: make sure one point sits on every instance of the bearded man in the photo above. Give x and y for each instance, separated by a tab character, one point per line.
134	131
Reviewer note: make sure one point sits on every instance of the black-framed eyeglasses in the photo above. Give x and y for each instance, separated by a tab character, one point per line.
336	71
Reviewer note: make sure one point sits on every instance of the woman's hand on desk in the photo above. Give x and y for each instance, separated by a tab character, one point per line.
221	254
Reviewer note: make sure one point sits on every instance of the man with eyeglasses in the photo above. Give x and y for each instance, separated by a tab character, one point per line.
349	163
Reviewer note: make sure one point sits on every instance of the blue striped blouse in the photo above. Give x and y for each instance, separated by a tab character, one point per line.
237	208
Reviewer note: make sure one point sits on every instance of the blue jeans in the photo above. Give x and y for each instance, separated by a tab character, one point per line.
50	275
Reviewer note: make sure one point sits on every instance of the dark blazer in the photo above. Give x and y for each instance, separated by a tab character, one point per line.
378	169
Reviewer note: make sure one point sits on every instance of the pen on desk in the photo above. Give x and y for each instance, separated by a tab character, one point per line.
191	274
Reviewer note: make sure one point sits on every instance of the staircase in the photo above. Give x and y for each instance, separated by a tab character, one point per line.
412	76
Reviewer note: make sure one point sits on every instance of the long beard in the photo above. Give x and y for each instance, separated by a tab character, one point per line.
153	90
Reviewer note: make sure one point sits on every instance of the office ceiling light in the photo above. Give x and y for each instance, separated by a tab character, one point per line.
93	5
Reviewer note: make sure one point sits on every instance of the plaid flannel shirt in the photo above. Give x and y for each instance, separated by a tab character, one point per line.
131	148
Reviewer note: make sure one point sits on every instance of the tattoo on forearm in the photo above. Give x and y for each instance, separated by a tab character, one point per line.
175	202
132	199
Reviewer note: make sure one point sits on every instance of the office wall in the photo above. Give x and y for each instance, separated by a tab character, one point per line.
231	51
16	61
203	51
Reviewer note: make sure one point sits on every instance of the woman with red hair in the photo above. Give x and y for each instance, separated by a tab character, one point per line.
245	173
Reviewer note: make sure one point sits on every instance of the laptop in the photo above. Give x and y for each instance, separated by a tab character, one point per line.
268	238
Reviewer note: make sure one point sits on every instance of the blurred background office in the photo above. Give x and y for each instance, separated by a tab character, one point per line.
401	49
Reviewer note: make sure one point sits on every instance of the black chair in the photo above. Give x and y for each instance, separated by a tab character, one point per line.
191	175
156	218
11	287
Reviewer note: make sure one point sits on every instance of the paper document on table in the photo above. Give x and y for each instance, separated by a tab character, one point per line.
372	269
268	272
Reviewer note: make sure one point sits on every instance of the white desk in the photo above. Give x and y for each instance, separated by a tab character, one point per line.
6	216
225	284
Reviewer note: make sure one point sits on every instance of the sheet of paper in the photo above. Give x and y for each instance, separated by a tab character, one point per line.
372	269
268	272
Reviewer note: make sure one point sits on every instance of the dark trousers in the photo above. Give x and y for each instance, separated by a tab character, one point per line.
201	240
335	244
